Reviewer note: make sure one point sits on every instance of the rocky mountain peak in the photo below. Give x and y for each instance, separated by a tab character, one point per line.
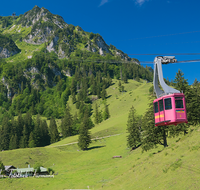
42	26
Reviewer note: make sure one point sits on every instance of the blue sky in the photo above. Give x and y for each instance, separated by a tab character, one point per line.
133	26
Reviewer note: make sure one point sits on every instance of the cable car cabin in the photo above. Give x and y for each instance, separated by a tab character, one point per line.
170	110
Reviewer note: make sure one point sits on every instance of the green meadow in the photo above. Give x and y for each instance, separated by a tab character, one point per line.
175	167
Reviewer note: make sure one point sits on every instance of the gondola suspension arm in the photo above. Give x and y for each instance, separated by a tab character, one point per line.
158	76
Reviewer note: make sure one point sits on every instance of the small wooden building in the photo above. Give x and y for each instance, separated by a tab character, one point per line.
26	172
8	169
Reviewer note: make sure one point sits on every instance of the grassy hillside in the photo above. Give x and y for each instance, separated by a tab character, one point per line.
175	167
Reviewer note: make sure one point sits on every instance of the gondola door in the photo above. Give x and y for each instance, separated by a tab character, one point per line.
161	111
180	108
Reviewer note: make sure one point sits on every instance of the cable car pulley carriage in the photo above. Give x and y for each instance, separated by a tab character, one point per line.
169	107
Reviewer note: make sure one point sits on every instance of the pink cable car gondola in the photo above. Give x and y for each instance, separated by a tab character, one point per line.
169	107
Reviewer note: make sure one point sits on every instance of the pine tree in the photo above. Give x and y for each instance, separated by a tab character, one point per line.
120	86
94	87
31	142
53	130
125	78
103	93
28	121
181	84
109	80
96	115
106	113
193	104
151	135
5	137
13	142
22	142
20	124
67	122
73	90
133	128
37	131
76	124
33	111
98	90
84	135
24	138
45	137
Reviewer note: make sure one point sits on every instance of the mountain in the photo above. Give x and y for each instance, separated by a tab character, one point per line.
55	61
39	26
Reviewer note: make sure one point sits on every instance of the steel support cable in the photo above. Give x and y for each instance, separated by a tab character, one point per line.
143	62
188	61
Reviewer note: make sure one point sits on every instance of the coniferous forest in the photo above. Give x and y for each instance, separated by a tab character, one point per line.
38	86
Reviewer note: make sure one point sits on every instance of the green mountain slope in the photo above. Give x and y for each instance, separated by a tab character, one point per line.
175	167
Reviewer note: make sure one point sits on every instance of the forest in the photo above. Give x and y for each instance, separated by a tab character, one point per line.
42	85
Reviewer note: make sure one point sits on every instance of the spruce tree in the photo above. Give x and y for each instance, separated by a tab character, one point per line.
45	137
96	114
67	122
151	135
25	136
31	142
76	124
22	143
5	137
133	128
193	106
181	84
103	93
120	86
20	124
106	113
53	130
84	138
98	90
37	131
13	142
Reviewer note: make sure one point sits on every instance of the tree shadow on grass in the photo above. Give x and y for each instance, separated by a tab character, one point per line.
134	148
94	147
108	96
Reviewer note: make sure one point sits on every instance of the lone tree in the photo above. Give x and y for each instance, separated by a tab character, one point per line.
151	135
84	135
120	86
53	130
133	128
106	113
96	115
67	122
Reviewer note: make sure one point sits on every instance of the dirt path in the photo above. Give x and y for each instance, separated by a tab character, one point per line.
97	138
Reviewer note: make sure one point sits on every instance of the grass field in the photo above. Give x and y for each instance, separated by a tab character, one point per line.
175	167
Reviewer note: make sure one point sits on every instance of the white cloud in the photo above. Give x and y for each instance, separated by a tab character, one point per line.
103	2
140	2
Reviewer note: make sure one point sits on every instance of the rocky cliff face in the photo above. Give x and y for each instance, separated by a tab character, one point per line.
58	36
7	47
5	53
43	25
